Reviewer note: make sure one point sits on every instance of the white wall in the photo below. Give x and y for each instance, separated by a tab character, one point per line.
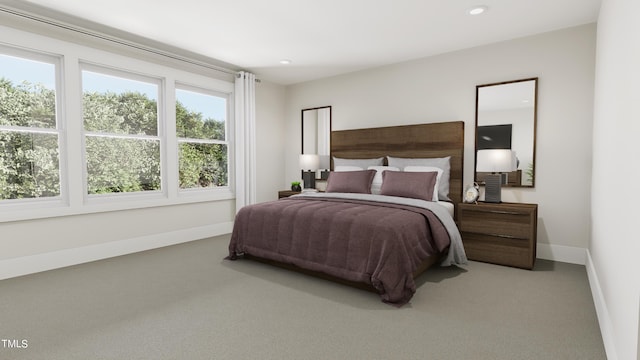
442	88
615	244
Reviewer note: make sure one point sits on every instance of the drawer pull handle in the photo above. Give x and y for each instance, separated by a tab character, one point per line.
502	212
507	236
507	212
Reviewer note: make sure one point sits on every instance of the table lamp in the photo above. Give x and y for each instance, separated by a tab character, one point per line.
495	161
309	164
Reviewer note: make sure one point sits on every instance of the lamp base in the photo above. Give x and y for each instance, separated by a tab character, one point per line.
309	178
493	188
504	178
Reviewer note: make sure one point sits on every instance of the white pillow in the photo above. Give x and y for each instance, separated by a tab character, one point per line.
361	163
347	168
428	169
376	185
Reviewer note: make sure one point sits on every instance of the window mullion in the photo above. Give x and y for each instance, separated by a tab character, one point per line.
168	127
71	121
202	141
33	130
122	136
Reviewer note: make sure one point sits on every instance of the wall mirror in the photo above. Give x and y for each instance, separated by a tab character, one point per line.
506	115
316	134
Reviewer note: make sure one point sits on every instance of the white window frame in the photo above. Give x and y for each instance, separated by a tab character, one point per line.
226	142
160	137
51	201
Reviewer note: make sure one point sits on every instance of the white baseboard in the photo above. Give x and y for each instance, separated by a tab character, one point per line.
53	260
604	320
567	254
57	259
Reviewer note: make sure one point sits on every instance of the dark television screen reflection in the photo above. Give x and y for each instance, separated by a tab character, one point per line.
494	137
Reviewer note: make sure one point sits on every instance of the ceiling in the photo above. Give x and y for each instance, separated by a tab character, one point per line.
328	37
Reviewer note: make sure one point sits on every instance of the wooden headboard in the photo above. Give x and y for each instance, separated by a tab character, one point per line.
409	141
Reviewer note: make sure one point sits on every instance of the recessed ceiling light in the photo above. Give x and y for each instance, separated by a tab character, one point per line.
477	10
285	61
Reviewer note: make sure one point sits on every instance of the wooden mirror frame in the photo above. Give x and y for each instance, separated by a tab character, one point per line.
328	135
515	177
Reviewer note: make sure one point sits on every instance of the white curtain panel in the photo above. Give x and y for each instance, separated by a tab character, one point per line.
245	139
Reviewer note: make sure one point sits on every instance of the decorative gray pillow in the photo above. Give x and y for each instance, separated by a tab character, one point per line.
416	185
442	163
363	164
350	181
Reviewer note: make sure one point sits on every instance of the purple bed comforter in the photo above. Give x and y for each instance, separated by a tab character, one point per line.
381	244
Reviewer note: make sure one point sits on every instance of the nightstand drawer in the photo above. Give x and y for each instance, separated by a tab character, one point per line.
506	223
498	250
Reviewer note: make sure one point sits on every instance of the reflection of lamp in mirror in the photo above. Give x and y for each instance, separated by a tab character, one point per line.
495	161
309	164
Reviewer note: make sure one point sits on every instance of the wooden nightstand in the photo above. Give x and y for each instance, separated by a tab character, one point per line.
502	233
286	193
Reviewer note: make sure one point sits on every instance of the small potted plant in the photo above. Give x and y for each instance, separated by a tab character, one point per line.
295	186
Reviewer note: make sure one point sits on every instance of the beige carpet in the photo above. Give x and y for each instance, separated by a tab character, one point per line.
186	302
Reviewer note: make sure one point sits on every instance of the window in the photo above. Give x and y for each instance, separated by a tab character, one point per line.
29	129
122	142
201	128
87	130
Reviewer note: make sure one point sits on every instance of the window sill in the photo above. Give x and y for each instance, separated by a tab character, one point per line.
32	210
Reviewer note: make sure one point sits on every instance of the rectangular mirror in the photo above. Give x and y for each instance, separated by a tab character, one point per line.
316	134
506	115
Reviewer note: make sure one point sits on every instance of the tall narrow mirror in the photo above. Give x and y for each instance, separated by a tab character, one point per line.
506	115
316	134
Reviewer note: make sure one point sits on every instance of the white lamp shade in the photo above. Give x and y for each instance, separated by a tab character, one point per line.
496	160
309	162
325	162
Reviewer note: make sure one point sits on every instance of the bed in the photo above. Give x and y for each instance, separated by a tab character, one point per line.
382	241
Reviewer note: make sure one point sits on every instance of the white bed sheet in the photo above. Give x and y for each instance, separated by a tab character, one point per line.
449	206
